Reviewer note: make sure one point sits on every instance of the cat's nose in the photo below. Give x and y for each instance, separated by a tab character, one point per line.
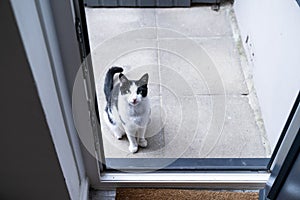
134	101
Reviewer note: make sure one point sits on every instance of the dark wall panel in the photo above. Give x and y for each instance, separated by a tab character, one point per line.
128	3
29	166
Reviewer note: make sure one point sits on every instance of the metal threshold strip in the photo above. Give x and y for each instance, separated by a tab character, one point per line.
186	164
233	180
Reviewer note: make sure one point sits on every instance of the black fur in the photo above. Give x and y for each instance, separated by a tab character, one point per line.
142	85
109	118
109	81
108	86
143	90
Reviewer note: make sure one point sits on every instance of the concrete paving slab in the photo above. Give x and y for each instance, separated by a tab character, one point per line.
225	55
191	62
238	137
192	59
105	23
194	22
106	54
222	55
181	116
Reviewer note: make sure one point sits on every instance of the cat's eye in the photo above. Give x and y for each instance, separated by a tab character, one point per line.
139	91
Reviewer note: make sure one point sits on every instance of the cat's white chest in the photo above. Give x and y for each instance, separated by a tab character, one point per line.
139	121
139	116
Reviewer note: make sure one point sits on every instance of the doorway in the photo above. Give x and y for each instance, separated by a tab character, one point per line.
202	100
149	38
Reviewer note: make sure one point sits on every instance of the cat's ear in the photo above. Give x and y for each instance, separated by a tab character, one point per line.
123	78
144	79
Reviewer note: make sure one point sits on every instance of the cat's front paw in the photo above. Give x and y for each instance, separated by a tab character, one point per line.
133	149
143	142
118	135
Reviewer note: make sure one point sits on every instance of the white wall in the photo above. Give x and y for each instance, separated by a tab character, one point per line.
274	34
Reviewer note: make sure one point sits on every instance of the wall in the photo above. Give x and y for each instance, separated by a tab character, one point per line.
29	166
273	45
49	63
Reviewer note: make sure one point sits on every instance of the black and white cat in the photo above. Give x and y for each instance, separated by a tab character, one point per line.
128	107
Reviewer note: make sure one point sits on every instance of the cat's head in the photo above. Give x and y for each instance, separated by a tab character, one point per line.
134	91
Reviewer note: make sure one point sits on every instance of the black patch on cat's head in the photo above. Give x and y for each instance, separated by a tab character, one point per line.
142	90
142	85
124	84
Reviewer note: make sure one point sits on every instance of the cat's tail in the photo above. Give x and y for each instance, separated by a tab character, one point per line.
109	81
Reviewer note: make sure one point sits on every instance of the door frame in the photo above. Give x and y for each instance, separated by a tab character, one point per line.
285	154
55	103
239	178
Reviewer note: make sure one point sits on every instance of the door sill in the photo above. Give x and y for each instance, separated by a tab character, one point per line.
205	180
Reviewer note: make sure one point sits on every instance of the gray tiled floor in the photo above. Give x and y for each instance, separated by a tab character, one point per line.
193	22
199	96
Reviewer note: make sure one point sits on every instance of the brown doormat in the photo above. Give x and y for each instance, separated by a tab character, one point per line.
177	194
